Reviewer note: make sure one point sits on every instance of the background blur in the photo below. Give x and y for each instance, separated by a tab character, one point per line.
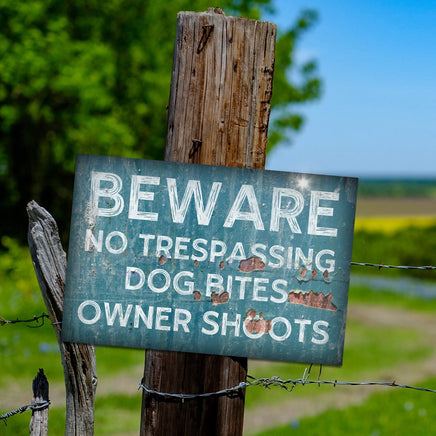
353	95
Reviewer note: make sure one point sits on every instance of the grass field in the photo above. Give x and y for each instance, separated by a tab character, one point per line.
388	337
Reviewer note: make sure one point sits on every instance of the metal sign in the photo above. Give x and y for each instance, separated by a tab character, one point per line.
209	259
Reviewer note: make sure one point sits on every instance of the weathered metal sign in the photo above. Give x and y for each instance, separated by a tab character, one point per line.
209	259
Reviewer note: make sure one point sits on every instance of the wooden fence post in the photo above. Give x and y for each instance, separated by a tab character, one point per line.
78	360
218	114
39	421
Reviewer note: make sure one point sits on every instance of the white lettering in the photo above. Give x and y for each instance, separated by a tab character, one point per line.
82	308
188	284
197	247
303	323
329	262
281	291
207	319
318	331
257	287
227	323
290	213
116	202
287	326
193	187
182	318
146	238
246	192
166	278
91	242
136	195
214	281
131	270
121	248
181	245
214	253
146	319
161	317
316	210
118	310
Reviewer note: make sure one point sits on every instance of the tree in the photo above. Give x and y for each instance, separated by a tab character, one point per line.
88	76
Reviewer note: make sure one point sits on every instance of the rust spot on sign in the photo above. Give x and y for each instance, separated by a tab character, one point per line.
327	278
195	262
219	298
256	323
162	260
222	264
251	264
312	299
197	295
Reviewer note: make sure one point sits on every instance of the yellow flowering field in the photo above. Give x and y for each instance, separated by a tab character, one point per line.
390	224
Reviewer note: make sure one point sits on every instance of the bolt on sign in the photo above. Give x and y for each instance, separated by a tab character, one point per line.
207	259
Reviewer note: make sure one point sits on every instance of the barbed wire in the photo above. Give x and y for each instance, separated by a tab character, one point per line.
277	381
39	405
289	385
38	319
382	265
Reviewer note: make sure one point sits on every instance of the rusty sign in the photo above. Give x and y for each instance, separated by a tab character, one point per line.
209	259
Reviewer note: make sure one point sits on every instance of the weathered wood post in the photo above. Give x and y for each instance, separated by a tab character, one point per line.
218	114
39	421
78	360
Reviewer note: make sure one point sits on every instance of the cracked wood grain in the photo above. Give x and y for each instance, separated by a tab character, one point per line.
78	360
218	115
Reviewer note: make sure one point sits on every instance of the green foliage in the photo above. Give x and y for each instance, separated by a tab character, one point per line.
94	77
307	88
389	298
397	188
18	284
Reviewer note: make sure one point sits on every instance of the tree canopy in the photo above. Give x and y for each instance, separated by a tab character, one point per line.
93	77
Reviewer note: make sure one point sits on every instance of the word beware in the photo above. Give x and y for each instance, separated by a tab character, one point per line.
108	186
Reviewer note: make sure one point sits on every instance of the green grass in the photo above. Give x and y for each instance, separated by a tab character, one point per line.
114	415
126	409
396	412
361	294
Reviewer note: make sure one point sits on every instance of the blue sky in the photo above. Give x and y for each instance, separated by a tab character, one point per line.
377	115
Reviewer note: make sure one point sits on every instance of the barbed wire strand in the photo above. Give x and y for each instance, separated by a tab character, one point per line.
289	385
40	405
38	319
382	265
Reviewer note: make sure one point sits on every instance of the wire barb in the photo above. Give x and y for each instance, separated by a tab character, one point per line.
288	385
